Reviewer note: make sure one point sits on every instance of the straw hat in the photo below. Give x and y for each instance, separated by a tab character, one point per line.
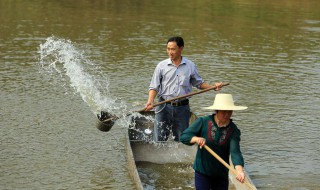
224	102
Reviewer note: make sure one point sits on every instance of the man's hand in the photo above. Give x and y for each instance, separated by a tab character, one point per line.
218	86
148	106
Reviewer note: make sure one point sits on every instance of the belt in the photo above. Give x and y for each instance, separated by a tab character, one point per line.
179	103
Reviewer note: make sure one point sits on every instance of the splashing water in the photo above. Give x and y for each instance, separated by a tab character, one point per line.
68	66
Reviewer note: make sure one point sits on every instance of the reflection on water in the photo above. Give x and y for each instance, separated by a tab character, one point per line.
269	51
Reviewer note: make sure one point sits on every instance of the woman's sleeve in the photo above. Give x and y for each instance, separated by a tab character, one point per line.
236	155
193	130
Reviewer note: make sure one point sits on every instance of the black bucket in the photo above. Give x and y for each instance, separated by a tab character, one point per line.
105	121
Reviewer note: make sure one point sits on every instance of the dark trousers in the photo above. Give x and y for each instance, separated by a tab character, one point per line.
170	118
204	182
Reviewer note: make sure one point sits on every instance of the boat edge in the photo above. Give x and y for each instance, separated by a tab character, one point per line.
133	171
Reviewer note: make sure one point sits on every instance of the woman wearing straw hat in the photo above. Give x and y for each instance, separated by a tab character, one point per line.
218	132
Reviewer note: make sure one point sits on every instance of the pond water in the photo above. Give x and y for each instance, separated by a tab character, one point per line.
63	61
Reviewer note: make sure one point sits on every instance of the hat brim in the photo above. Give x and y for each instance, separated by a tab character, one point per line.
229	108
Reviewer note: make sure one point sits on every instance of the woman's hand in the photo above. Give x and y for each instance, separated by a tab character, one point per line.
240	174
199	140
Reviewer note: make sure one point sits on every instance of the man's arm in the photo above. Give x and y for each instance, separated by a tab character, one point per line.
152	95
206	85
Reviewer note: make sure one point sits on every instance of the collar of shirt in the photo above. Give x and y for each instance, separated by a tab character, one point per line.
183	61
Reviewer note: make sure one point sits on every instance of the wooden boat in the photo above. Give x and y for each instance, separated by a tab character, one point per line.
144	149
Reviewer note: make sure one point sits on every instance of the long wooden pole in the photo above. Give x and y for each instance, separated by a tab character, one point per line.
184	96
228	166
170	100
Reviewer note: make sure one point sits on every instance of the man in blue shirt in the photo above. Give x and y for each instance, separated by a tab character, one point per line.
173	77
